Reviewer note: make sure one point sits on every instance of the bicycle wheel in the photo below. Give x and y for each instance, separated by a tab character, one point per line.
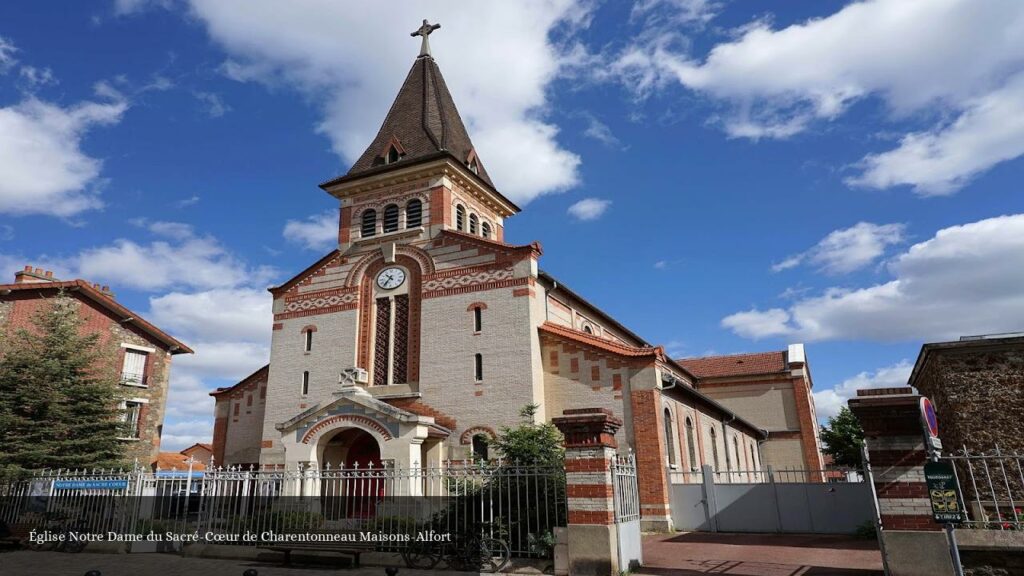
494	555
423	555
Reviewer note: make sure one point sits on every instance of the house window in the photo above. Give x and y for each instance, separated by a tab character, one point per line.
691	450
308	344
478	319
391	218
305	383
393	155
131	419
485	230
474	223
369	222
133	372
670	442
588	329
474	166
479	367
714	449
414	214
480	447
460	218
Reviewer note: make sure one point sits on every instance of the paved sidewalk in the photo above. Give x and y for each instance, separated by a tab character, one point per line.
694	553
27	563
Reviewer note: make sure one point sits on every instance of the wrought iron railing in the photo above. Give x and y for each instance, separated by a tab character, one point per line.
992	485
770	474
626	490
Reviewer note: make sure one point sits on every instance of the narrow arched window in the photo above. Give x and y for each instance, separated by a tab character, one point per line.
753	456
474	223
480	443
305	383
670	444
460	218
478	367
474	166
588	329
714	449
485	230
736	452
369	223
478	319
414	214
691	450
308	344
393	155
391	218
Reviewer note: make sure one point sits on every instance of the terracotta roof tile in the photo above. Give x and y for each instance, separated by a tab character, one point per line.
176	461
736	364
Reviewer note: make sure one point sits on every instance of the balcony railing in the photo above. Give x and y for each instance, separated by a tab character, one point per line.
132	379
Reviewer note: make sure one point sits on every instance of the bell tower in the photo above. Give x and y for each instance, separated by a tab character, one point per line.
421	174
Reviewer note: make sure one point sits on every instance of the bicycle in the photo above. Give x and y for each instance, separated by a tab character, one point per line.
467	551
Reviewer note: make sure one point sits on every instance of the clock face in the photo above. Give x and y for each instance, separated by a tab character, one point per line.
391	278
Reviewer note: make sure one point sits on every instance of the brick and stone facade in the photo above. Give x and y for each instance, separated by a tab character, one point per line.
121	332
424	328
977	387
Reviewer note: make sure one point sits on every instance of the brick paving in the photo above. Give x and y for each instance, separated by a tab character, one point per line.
696	553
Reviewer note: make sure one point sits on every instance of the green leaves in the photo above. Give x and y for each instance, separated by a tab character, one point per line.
59	394
843	438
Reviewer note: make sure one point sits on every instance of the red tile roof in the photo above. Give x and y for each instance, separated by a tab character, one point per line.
736	364
176	461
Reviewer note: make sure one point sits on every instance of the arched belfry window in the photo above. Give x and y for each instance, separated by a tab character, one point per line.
670	442
414	214
391	336
391	218
393	155
485	230
460	218
474	223
480	443
369	223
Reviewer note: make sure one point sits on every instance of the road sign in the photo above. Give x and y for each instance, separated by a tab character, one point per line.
943	493
931	423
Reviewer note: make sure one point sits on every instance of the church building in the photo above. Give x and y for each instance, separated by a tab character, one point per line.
424	332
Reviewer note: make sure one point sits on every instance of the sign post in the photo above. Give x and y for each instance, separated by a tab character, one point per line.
943	488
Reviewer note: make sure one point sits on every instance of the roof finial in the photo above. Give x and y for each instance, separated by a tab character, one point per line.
425	30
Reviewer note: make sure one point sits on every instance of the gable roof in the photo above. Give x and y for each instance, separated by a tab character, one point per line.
737	364
288	284
106	302
260	374
424	121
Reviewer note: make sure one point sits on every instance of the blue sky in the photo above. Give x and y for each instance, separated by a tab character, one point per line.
720	179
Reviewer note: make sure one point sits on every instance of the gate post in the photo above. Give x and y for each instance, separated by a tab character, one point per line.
912	543
589	449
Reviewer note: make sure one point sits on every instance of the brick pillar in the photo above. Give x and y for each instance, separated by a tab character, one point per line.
913	543
589	449
648	432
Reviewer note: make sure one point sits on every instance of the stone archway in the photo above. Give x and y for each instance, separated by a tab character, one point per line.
348	448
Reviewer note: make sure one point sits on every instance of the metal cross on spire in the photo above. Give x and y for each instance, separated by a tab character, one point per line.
425	30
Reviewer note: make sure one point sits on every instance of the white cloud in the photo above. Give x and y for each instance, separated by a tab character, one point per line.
661	264
200	262
965	280
499	61
130	7
943	58
827	403
32	77
44	168
598	130
182	434
589	208
318	232
942	160
190	201
697	12
849	249
213	104
7	59
235	314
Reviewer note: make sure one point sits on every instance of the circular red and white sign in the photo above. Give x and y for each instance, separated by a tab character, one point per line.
930	420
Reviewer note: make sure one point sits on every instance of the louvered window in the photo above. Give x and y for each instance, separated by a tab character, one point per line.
485	229
474	223
369	223
134	370
391	218
414	214
460	218
393	155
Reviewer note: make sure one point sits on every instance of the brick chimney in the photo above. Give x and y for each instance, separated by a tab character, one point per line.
33	275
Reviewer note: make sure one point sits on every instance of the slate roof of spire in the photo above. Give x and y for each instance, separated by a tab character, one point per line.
424	121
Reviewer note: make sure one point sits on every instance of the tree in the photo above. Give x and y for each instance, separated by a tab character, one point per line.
531	443
58	395
843	438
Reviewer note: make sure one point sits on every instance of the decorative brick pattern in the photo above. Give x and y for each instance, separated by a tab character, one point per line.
589	449
313	434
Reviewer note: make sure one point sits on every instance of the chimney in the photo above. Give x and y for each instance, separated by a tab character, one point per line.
33	275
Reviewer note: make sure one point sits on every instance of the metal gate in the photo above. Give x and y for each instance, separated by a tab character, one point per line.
627	512
770	501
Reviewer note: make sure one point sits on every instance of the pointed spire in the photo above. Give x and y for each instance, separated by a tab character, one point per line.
423	122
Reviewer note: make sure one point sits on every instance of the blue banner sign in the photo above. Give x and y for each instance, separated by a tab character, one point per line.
178	474
90	485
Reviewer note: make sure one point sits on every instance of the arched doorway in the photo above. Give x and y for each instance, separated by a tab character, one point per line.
352	479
